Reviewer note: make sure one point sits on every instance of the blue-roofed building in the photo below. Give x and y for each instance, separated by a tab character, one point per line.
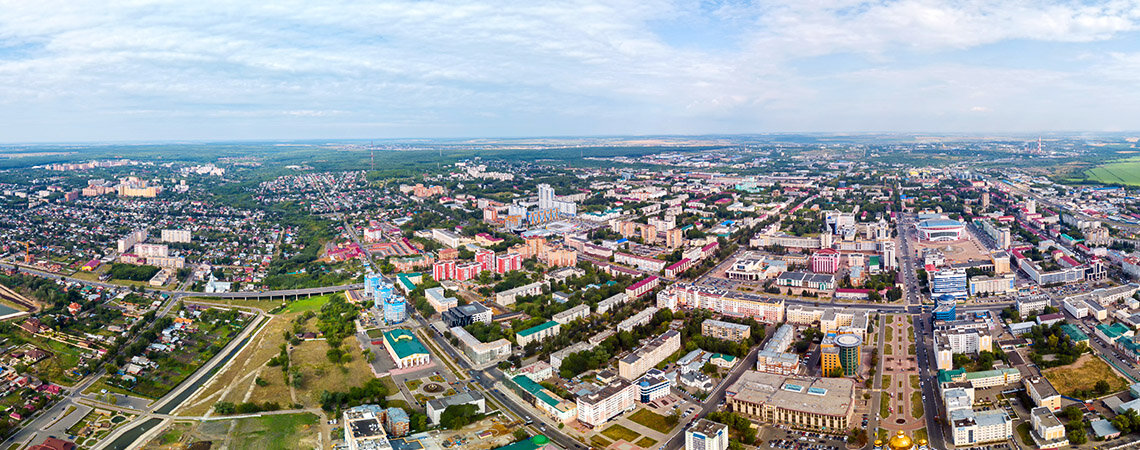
1103	429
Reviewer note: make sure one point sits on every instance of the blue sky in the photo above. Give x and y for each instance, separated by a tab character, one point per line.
204	70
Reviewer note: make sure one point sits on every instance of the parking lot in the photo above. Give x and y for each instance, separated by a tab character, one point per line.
780	438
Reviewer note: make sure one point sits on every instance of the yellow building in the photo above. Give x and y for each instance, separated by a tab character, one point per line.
829	361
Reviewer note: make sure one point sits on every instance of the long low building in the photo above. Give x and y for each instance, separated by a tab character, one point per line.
538	333
729	303
818	404
548	402
481	352
508	297
436	407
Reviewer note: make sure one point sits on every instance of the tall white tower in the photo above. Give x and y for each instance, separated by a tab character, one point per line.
545	196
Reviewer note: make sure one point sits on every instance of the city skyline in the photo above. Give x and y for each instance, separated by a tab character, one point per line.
202	71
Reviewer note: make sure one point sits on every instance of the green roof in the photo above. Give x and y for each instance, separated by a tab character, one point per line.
948	376
1113	331
1074	333
537	328
404	343
989	373
537	390
723	356
534	443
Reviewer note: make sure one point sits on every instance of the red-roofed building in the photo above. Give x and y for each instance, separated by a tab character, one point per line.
53	444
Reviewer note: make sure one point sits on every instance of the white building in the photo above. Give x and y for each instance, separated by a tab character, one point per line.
980	427
706	435
572	314
641	318
176	236
612	400
436	407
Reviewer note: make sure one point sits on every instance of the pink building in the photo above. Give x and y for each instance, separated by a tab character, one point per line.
825	261
508	262
486	259
443	270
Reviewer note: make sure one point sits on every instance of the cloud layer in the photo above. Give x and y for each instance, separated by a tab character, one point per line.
143	70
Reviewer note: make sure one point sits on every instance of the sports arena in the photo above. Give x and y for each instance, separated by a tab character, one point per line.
941	230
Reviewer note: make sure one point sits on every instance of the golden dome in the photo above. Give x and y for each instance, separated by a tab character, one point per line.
900	442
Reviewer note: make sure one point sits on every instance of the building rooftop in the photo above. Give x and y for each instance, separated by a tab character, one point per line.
829	396
404	343
457	399
538	328
708	427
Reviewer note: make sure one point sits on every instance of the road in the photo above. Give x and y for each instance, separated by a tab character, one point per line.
712	402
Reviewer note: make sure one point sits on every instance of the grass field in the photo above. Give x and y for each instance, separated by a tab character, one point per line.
308	304
646	442
890	334
283	431
309	357
620	433
889	349
650	419
884	405
1083	375
914	382
886	381
916	405
1125	171
599	441
1023	430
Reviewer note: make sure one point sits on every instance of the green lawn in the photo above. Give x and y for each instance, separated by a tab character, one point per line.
308	304
914	382
886	381
652	420
1125	171
890	334
620	433
414	384
916	405
1023	430
646	442
283	431
599	441
884	405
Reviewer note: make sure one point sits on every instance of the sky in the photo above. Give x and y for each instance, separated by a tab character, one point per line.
79	71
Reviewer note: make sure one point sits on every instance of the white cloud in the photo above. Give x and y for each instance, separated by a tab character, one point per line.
456	67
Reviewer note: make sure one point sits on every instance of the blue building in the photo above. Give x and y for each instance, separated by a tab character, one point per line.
945	311
948	282
372	282
652	386
395	309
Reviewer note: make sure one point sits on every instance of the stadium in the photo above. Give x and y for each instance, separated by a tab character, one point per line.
941	230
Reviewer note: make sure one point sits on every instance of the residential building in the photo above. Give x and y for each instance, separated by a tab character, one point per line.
557	357
363	428
1042	392
537	333
725	330
438	299
572	314
507	297
705	434
613	301
641	318
182	236
979	427
647	356
615	398
1001	284
730	303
